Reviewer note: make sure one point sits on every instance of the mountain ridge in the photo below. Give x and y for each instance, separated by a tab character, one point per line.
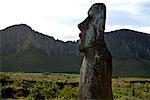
129	49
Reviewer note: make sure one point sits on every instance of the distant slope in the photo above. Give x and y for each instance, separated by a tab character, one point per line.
126	43
18	38
35	60
23	49
131	52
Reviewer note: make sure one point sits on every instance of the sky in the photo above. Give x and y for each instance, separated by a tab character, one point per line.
59	18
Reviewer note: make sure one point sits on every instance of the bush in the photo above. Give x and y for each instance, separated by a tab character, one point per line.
68	93
43	90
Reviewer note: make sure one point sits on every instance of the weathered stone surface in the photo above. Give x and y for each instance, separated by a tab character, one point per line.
15	39
127	43
96	69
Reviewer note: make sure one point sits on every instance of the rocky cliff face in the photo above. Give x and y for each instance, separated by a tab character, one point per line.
122	43
15	38
54	47
18	38
128	44
128	48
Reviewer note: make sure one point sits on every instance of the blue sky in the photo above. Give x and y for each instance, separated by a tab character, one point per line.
59	18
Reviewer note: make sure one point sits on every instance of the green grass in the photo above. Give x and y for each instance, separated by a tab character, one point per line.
44	85
131	88
46	76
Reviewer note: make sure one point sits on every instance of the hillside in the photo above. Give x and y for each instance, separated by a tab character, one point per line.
23	49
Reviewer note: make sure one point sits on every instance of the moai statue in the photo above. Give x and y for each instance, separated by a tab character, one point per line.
96	68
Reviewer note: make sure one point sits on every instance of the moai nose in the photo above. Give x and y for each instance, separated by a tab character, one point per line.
85	24
80	26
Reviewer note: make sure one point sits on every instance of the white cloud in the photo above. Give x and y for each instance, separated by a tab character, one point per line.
59	18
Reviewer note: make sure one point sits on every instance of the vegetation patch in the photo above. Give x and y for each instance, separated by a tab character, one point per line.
62	86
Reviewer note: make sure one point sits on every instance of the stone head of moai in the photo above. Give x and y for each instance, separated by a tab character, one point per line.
92	27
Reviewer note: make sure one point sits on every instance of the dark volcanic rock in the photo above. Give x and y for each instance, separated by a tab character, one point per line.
18	38
128	44
15	38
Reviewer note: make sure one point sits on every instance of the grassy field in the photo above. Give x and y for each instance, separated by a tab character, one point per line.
63	86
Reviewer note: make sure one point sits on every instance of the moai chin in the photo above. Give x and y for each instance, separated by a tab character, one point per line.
96	68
